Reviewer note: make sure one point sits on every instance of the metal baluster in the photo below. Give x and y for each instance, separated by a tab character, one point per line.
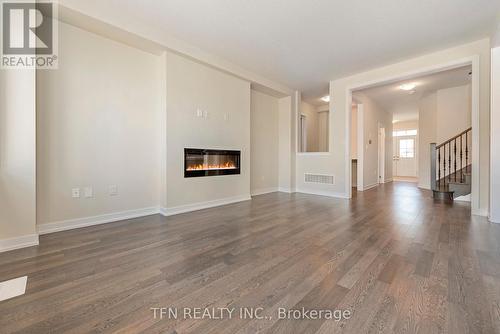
455	158
466	150
449	161
444	165
461	161
439	166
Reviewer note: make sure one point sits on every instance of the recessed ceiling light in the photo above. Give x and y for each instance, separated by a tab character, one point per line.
326	98
408	86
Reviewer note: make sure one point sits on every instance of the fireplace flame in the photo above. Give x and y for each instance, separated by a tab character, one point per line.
225	165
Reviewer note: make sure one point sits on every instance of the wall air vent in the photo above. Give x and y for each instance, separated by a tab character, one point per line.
319	178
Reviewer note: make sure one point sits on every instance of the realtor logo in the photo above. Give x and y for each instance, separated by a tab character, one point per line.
29	36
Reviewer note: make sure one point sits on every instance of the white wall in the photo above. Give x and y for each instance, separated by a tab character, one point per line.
264	154
98	125
454	110
495	135
373	117
427	134
191	85
337	163
17	159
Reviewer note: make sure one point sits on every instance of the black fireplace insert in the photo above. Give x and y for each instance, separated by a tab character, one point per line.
206	162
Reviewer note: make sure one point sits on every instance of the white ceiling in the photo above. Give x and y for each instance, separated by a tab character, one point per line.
304	44
402	104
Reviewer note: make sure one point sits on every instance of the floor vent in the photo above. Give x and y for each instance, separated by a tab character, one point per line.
319	178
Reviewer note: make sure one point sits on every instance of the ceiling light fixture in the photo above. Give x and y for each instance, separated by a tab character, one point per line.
408	86
326	98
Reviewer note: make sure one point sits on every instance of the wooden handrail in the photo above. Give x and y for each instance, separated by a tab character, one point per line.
453	138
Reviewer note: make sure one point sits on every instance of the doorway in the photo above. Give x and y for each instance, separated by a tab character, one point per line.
405	157
473	62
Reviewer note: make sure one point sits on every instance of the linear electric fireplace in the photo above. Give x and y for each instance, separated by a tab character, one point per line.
204	162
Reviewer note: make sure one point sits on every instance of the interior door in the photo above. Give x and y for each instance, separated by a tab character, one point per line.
404	160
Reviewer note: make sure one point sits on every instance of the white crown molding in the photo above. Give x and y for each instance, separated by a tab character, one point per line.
203	205
18	242
95	220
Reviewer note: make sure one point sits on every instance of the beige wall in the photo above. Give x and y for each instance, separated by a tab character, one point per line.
264	118
354	132
286	144
312	123
337	162
192	86
323	131
406	125
98	125
495	135
17	158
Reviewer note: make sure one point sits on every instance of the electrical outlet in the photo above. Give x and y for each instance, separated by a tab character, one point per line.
88	192
113	190
75	192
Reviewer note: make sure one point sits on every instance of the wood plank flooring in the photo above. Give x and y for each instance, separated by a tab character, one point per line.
394	258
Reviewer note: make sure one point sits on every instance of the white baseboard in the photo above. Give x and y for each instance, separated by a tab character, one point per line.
494	220
323	193
203	205
95	220
370	186
19	242
480	212
465	198
286	190
388	180
263	191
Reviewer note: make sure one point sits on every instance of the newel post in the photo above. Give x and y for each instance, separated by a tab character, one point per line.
433	166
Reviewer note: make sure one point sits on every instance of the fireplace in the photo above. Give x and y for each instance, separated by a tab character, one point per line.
205	162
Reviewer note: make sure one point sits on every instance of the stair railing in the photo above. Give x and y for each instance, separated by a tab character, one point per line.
449	160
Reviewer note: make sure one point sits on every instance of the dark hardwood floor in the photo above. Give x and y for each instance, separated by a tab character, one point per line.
397	260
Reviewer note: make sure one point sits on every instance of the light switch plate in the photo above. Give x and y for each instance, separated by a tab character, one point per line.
75	192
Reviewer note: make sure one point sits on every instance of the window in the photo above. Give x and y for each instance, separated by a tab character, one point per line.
401	133
407	148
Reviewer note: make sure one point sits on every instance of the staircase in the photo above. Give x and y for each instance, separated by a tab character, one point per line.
451	168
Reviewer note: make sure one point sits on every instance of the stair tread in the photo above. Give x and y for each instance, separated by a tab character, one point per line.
460	183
